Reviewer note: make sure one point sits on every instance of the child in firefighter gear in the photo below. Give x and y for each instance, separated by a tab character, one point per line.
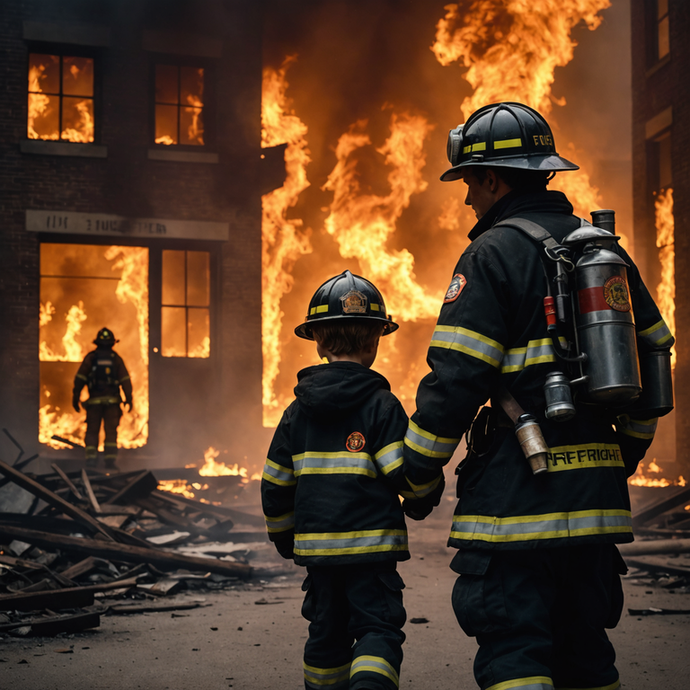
539	571
330	493
104	372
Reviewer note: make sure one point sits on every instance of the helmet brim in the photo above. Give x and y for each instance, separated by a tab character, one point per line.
546	163
304	329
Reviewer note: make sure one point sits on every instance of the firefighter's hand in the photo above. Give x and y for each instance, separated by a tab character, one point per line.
417	509
76	405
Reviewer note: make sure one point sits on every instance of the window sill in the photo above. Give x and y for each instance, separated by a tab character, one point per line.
43	147
659	65
169	154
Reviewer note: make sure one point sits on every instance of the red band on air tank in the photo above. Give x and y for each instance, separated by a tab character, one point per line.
592	299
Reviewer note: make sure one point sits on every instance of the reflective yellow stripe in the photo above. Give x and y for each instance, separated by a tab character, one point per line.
638	428
390	457
507	143
124	378
81	376
103	400
334	678
334	463
425	443
469	342
346	543
374	664
539	527
479	146
374	307
584	456
282	523
657	335
536	352
613	686
422	490
531	683
277	474
318	310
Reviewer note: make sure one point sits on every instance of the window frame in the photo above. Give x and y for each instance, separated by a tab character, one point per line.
209	106
67	50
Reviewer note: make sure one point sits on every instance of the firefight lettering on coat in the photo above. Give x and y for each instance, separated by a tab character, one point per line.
584	456
526	528
657	335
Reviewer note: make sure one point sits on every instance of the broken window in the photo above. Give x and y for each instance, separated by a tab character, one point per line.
179	105
60	98
663	40
185	311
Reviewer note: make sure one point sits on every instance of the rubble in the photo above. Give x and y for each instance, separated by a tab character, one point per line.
92	544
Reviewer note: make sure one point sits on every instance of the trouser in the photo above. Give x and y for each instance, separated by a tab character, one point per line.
540	615
110	416
355	616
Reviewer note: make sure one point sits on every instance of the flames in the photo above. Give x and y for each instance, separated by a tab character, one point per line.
283	240
362	224
511	50
131	288
641	479
665	241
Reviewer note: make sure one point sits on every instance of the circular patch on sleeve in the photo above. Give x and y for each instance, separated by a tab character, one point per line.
355	442
455	288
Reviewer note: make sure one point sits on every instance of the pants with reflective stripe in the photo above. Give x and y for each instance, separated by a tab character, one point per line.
110	416
355	616
541	614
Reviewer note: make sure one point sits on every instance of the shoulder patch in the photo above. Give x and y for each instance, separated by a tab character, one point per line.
355	442
455	288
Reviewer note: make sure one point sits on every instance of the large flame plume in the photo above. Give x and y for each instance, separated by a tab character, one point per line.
283	240
131	287
511	49
665	241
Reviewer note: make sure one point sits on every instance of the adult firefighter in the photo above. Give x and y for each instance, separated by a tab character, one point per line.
539	572
104	372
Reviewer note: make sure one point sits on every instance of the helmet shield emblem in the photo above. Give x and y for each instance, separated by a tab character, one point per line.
354	302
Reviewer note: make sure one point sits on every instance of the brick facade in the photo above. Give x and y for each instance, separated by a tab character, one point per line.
661	90
122	179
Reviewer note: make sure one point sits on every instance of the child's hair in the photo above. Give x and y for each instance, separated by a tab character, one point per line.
345	338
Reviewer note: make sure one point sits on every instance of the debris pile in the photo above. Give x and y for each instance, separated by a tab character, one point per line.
92	544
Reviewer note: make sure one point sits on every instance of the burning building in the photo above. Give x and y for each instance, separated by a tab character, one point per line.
132	178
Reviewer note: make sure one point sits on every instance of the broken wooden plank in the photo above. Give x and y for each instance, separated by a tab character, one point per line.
32	565
89	492
20	479
656	564
125	552
53	625
116	609
670	498
139	487
639	548
68	481
68	598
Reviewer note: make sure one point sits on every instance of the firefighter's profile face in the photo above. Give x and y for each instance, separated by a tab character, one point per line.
479	194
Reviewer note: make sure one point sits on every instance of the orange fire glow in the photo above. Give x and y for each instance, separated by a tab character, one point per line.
511	49
665	241
213	468
642	479
283	240
361	224
132	287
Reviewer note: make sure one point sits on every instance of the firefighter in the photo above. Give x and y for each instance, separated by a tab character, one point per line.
330	493
538	568
103	372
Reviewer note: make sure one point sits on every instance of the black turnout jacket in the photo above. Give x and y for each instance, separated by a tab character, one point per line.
334	470
491	330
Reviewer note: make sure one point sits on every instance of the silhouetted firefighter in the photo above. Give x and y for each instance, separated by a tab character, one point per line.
104	372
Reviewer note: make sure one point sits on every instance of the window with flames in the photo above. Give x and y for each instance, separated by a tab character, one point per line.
186	294
61	98
179	105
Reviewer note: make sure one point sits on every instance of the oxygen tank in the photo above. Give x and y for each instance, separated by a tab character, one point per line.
604	319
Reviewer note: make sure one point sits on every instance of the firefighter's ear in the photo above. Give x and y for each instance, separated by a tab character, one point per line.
493	180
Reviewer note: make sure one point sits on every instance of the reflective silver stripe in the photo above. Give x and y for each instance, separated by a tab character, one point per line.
639	428
549	526
390	457
656	335
334	678
422	490
81	376
469	342
425	443
277	474
282	523
536	352
374	664
531	683
334	463
342	543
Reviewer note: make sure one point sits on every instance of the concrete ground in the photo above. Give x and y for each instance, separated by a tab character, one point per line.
251	637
